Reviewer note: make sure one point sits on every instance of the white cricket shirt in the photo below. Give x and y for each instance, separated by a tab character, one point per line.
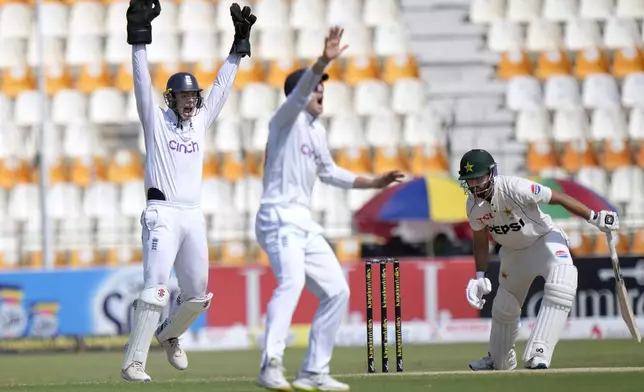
513	217
296	155
174	148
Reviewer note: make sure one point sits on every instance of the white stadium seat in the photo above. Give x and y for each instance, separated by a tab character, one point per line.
307	14
166	22
408	95
68	106
594	178
505	36
523	93
629	9
344	12
358	37
16	20
371	97
543	35
212	196
423	129
636	124
346	130
259	136
231	108
257	99
107	106
276	44
380	12
307	45
337	98
559	10
132	199
53	52
633	90
247	193
75	232
523	10
87	18
63	200
23	202
562	92
164	48
27	109
391	40
533	126
569	125
131	113
485	11
196	16
621	33
101	200
581	34
53	140
9	141
383	130
596	9
79	139
273	14
55	19
117	50
600	91
193	43
608	124
84	49
6	109
13	52
627	183
115	23
228	136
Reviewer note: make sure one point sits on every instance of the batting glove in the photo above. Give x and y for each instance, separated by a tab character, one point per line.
476	289
140	15
605	221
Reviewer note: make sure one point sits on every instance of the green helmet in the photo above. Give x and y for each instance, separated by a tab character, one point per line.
476	163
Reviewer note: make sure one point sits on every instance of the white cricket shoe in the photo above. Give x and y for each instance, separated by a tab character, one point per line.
486	363
135	373
314	382
272	377
536	363
176	356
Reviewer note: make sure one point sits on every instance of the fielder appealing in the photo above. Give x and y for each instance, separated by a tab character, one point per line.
508	208
173	226
296	154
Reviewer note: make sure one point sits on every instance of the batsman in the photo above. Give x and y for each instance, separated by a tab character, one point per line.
507	208
173	226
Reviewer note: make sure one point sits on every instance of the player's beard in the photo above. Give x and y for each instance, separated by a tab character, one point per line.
484	190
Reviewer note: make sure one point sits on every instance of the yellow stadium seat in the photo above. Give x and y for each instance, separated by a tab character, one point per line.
213	254
578	154
581	244
541	156
57	173
87	170
555	62
249	72
205	70
210	165
95	76
124	79
627	61
11	171
262	257
355	159
124	166
513	64
388	158
16	80
255	163
162	73
600	247
360	68
278	71
395	68
234	253
82	257
34	259
428	159
233	166
57	78
638	148
637	245
349	250
591	61
615	153
334	70
118	255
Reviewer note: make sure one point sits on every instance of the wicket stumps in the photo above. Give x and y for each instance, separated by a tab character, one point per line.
371	366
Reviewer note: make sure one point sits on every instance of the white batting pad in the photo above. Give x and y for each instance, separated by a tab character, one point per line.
558	298
147	310
186	314
506	312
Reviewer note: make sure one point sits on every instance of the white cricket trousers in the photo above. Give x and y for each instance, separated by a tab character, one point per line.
175	236
299	258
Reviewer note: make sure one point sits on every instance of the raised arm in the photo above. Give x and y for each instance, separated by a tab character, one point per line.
299	96
140	15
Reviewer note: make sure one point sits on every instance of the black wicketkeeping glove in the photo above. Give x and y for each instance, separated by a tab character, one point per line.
139	15
243	21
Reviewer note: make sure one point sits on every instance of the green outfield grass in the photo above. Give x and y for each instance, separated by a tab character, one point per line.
606	366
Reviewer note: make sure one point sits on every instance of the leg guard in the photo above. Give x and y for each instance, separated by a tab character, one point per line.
179	322
147	310
558	298
506	312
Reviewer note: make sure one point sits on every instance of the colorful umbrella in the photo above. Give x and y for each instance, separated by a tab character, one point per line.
436	199
585	195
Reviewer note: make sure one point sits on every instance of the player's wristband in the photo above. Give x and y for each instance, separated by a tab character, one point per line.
480	274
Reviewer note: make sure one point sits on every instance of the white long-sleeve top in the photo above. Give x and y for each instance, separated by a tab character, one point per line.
174	148
296	155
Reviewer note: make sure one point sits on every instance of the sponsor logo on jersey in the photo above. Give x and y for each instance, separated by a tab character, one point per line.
562	254
485	217
505	229
535	188
187	148
309	152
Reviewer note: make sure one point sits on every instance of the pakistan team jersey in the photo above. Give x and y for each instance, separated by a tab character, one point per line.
513	216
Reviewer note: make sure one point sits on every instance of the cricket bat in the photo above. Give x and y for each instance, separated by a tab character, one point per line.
620	290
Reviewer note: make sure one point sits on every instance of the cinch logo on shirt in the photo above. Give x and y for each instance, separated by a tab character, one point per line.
184	148
307	151
505	229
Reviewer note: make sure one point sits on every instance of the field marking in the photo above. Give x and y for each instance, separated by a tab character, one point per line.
350	376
